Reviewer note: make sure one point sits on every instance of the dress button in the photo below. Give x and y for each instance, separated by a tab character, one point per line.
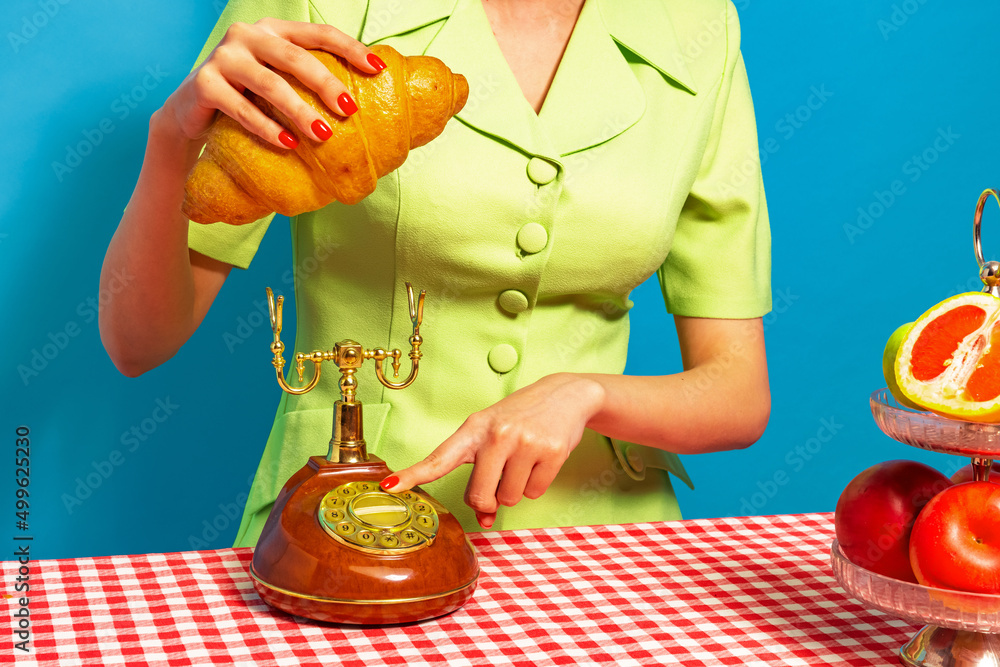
532	238
513	301
541	171
503	358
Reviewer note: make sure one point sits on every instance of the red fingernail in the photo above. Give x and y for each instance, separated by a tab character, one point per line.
321	130
347	105
389	482
376	62
286	138
485	522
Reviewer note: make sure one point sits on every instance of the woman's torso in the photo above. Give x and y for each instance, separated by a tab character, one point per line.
528	232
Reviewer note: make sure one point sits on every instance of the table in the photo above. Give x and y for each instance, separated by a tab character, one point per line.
731	591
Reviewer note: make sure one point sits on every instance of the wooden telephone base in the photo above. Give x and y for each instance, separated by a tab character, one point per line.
337	548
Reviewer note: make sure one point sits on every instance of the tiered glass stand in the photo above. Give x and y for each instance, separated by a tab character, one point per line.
960	629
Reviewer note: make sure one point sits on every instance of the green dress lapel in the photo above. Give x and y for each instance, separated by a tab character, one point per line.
387	18
645	28
594	95
496	105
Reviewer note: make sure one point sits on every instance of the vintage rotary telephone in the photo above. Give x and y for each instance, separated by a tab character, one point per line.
338	548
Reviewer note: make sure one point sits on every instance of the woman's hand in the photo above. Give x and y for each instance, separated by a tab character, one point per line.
720	401
172	287
239	62
517	445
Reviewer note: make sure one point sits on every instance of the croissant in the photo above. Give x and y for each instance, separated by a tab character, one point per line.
240	177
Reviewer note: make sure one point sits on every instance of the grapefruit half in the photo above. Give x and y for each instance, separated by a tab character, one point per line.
949	362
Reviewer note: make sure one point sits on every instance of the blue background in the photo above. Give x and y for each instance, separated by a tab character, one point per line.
893	78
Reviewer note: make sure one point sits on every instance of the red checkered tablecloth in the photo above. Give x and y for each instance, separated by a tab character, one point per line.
733	591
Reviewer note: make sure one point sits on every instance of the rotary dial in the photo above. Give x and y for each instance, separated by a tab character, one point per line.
363	516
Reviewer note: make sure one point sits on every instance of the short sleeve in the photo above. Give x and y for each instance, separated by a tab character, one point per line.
719	264
232	244
237	244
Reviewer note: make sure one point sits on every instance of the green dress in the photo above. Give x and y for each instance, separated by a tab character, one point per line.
528	233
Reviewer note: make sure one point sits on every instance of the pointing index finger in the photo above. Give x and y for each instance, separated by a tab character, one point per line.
449	455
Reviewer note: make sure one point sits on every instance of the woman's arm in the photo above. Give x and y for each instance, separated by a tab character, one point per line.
158	290
720	401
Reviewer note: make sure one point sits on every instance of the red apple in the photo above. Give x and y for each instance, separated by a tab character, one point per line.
965	475
876	512
956	539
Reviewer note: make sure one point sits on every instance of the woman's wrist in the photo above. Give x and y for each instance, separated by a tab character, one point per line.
166	137
587	393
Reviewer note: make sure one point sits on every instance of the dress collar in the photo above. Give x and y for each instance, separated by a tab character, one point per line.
645	28
594	96
388	18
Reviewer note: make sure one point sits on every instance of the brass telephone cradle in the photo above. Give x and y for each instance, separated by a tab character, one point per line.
338	548
348	439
